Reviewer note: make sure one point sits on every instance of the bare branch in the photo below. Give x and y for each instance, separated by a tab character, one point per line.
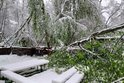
1	5
100	1
112	14
88	51
21	27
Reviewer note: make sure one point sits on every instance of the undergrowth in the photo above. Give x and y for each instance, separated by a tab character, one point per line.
106	69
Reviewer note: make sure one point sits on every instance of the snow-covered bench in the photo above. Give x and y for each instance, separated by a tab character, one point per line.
76	78
69	76
24	65
15	77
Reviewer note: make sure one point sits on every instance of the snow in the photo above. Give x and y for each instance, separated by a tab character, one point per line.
13	22
65	76
118	1
48	76
24	64
49	7
45	77
76	78
69	76
106	15
2	81
15	77
9	59
105	3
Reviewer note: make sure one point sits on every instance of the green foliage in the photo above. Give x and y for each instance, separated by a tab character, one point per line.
25	42
96	70
66	28
36	7
66	32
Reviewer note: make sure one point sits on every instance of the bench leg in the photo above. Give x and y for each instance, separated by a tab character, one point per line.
41	68
0	74
8	81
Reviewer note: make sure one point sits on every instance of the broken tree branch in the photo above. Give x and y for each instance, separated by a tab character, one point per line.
95	34
90	52
87	50
112	15
107	38
118	80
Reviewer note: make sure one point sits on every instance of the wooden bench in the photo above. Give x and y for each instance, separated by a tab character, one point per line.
69	76
15	77
76	78
65	76
24	65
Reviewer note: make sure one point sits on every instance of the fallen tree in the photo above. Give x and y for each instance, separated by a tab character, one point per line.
38	51
96	34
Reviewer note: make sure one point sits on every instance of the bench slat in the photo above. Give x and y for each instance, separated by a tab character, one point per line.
15	77
65	76
76	78
24	65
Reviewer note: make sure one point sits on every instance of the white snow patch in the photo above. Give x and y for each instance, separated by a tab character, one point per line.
45	77
8	59
1	81
118	1
49	7
76	78
25	64
106	15
13	22
105	3
20	1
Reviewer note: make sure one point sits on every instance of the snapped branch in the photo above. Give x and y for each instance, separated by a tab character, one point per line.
95	34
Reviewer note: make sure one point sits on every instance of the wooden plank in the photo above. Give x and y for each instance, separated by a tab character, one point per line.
5	51
25	50
15	77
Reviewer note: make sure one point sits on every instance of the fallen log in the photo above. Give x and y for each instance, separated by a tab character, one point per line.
38	51
5	51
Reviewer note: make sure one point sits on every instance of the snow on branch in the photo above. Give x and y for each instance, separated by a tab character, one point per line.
118	80
95	34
